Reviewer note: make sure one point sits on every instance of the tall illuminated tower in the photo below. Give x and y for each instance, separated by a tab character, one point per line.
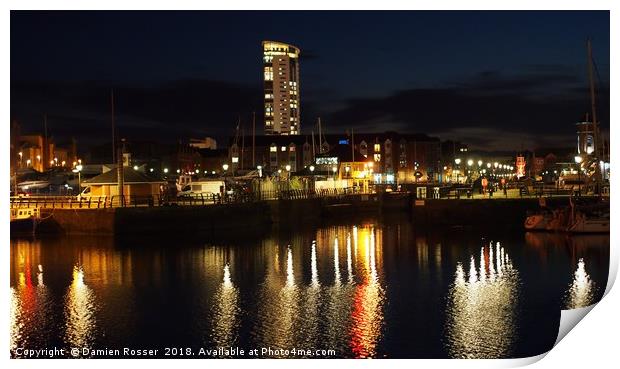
281	85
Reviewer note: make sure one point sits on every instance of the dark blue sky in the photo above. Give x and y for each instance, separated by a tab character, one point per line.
464	75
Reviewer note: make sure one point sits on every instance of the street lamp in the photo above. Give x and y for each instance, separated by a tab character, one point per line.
260	171
578	160
457	161
312	168
166	170
225	167
78	170
28	162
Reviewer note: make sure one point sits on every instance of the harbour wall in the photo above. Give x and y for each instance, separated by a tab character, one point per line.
250	217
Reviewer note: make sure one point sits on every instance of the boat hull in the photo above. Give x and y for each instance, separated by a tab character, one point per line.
23	226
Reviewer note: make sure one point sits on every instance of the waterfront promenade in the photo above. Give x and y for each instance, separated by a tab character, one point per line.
290	209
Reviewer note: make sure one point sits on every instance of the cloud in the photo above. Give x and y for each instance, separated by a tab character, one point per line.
166	111
538	104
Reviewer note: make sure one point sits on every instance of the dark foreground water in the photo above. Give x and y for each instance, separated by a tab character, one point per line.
371	289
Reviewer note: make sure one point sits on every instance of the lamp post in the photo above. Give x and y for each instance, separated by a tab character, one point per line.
260	171
469	164
78	170
288	177
225	168
578	160
457	161
312	177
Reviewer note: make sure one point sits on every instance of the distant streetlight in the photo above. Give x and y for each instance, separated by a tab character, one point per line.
165	170
457	161
479	163
578	160
151	170
28	162
288	168
260	171
489	165
470	162
312	168
78	170
135	167
495	165
225	167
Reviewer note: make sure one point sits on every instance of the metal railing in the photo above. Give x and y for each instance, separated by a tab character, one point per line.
114	201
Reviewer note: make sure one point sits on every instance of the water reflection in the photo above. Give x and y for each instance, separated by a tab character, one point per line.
368	302
369	290
581	291
80	312
226	311
31	304
482	304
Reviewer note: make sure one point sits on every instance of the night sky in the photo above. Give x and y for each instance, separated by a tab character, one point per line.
495	80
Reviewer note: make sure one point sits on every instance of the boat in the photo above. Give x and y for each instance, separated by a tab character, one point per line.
589	224
586	218
33	185
24	220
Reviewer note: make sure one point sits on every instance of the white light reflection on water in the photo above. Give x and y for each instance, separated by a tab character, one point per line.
315	274
368	299
80	310
31	304
582	289
481	309
336	263
226	311
349	260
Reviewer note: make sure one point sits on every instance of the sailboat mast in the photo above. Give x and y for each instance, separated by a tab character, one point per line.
320	138
352	146
595	128
242	146
253	139
313	152
113	127
46	146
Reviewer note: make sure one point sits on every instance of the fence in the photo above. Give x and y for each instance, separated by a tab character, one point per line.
105	202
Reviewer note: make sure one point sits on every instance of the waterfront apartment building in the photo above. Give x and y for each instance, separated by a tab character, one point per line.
281	88
406	158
